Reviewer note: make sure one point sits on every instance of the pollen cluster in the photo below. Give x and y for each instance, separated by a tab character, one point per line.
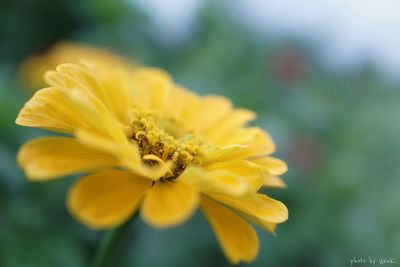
152	137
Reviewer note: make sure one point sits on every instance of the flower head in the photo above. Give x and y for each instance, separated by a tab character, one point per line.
34	68
152	145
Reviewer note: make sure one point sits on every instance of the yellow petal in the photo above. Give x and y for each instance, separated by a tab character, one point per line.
261	144
106	199
169	203
115	86
127	153
50	157
224	127
35	67
270	227
67	111
50	108
219	181
215	154
273	165
151	88
90	100
237	238
240	136
209	110
106	83
250	172
73	76
267	226
183	104
245	143
273	181
94	113
258	206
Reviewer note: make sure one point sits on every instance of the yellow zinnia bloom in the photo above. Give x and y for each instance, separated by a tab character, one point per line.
152	145
34	68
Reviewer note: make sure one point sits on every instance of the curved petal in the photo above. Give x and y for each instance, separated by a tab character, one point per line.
273	165
219	181
240	136
97	116
107	83
115	90
169	203
267	226
92	99
237	238
67	111
184	106
106	199
36	66
258	206
50	108
209	109
273	181
262	144
151	88
224	127
242	144
50	157
128	155
216	154
250	172
73	76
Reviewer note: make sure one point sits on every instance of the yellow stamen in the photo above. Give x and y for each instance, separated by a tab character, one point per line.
153	138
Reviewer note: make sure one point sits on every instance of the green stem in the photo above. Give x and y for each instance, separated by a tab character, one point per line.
108	245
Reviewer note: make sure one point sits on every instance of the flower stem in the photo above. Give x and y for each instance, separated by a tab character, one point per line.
109	243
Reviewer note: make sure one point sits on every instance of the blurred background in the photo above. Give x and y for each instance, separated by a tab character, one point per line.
323	75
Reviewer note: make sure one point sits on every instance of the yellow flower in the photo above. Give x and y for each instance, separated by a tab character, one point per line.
34	68
152	145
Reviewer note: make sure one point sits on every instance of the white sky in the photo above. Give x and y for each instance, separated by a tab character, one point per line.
348	31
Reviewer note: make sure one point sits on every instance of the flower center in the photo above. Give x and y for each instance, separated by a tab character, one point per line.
152	133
